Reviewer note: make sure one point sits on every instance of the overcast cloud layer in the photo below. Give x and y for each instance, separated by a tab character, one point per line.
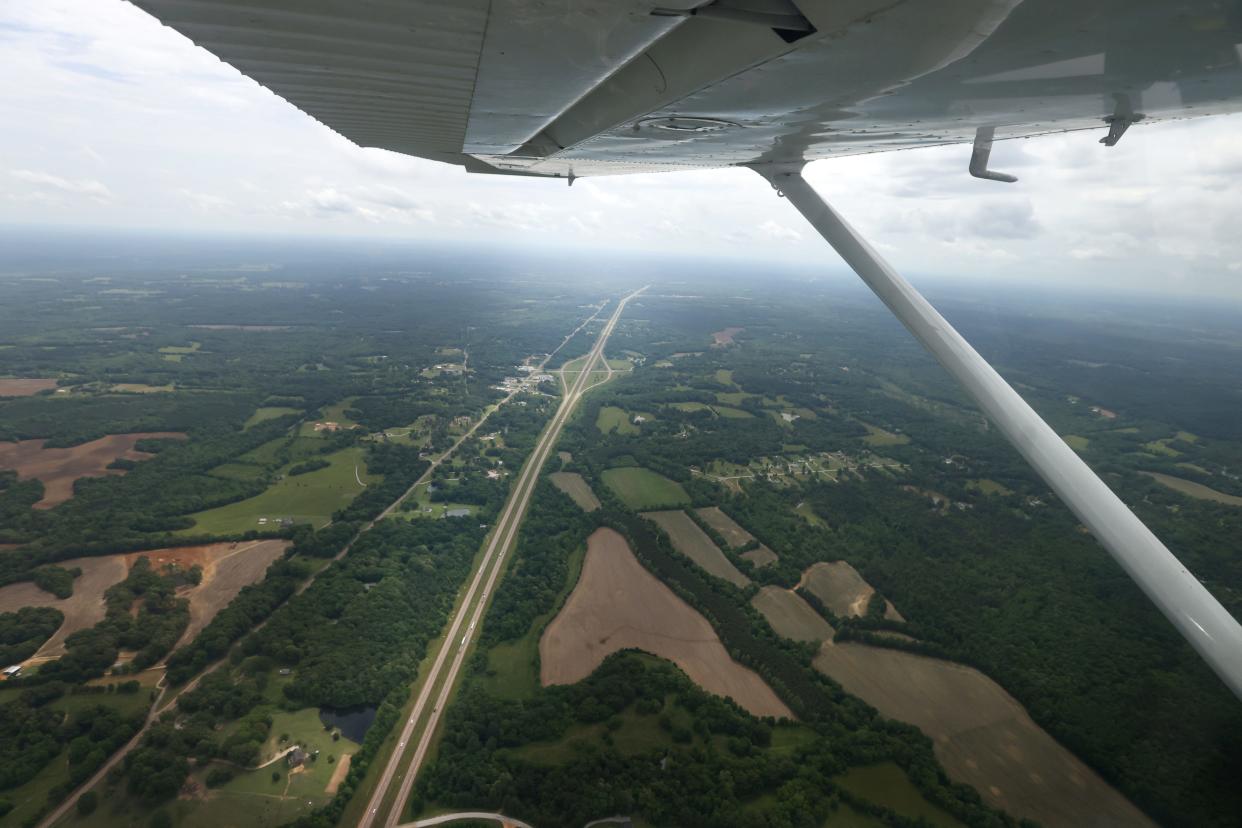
110	119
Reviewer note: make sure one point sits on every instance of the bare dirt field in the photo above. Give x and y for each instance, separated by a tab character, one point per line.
790	616
760	556
981	735
572	484
725	337
227	567
83	609
693	542
618	605
338	774
59	467
736	536
843	590
22	387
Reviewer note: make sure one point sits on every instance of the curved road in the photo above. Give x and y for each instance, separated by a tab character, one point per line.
475	602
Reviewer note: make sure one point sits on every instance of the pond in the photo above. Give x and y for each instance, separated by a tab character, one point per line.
353	722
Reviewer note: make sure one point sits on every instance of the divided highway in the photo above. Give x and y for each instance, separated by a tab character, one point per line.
440	680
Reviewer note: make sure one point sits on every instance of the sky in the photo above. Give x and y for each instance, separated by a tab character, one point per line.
112	120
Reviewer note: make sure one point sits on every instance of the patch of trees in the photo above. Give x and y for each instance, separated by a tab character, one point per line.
33	733
23	632
55	579
713	765
151	630
1032	602
554	527
308	466
252	605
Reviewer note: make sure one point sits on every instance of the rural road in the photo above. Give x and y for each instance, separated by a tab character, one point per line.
59	812
443	818
474	604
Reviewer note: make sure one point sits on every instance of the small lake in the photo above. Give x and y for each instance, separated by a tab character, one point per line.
353	723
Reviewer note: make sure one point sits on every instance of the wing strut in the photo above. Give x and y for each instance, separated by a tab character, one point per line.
1199	617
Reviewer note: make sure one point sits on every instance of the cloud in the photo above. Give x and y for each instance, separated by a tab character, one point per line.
774	231
88	187
198	145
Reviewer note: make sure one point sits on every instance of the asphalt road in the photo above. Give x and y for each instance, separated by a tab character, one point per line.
455	645
156	711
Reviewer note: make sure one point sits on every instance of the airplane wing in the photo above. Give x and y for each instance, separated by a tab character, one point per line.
589	87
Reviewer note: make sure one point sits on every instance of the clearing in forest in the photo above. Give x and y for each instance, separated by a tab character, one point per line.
84	608
619	605
611	418
58	468
981	735
1193	489
842	590
302	498
790	616
760	556
227	567
642	488
572	484
23	387
694	543
722	338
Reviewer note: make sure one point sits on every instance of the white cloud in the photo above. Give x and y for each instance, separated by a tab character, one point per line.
88	187
183	140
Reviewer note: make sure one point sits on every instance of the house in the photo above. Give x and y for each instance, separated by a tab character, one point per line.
493	474
295	757
12	671
639	419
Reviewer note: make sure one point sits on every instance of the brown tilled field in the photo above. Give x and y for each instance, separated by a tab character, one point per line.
843	590
83	609
736	536
227	567
22	387
618	605
981	735
790	616
59	467
760	556
727	527
694	543
572	484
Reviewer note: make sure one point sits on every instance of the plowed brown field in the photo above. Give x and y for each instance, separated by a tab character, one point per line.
22	387
981	735
59	467
618	605
227	567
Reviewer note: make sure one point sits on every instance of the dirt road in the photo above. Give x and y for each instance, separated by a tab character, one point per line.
455	644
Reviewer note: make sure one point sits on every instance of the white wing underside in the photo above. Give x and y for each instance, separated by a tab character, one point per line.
589	87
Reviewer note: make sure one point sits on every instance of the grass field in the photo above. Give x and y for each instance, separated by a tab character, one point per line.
1076	441
731	413
268	412
808	514
987	486
612	419
306	498
1193	489
642	488
514	665
877	436
887	785
572	484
